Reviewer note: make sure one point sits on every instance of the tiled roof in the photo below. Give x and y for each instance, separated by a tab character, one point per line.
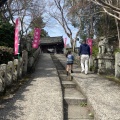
51	40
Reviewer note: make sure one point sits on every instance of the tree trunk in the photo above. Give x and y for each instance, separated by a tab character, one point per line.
117	24
74	43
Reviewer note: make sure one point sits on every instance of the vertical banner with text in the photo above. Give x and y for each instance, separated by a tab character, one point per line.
36	40
90	42
16	39
65	41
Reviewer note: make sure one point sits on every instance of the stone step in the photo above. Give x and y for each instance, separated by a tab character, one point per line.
64	77
62	72
77	112
73	96
59	67
68	84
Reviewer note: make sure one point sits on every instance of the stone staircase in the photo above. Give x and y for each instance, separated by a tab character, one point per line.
75	103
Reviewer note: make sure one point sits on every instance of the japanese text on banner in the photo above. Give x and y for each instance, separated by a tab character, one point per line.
36	40
16	39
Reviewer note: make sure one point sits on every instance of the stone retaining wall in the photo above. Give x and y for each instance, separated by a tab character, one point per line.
117	65
16	69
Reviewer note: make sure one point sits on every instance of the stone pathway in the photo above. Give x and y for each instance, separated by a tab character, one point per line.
39	99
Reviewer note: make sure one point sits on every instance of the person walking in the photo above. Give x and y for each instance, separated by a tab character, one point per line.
84	52
70	60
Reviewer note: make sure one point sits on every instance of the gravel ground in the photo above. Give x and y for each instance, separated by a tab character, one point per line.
38	99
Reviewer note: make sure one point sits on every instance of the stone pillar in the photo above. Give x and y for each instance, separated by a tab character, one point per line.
9	73
91	63
36	54
105	64
2	77
28	45
95	65
30	62
20	67
15	69
64	50
117	65
106	60
25	61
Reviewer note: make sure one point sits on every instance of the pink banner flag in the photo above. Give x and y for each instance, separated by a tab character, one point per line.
90	42
65	41
16	39
36	40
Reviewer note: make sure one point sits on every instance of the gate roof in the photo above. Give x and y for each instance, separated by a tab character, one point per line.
51	40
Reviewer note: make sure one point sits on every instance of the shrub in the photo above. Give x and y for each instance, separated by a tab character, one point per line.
6	54
95	51
116	50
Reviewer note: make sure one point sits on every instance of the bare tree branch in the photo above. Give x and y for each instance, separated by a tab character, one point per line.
109	8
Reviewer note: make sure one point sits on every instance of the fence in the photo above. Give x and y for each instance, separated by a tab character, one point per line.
16	69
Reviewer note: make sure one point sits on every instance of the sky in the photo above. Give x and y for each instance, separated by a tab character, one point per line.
55	29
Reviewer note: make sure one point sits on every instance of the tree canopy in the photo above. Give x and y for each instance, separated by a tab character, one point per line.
30	13
92	18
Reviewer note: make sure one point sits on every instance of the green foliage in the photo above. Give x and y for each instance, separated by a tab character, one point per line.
43	33
105	26
6	54
94	50
6	34
83	36
83	104
37	22
117	50
6	42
